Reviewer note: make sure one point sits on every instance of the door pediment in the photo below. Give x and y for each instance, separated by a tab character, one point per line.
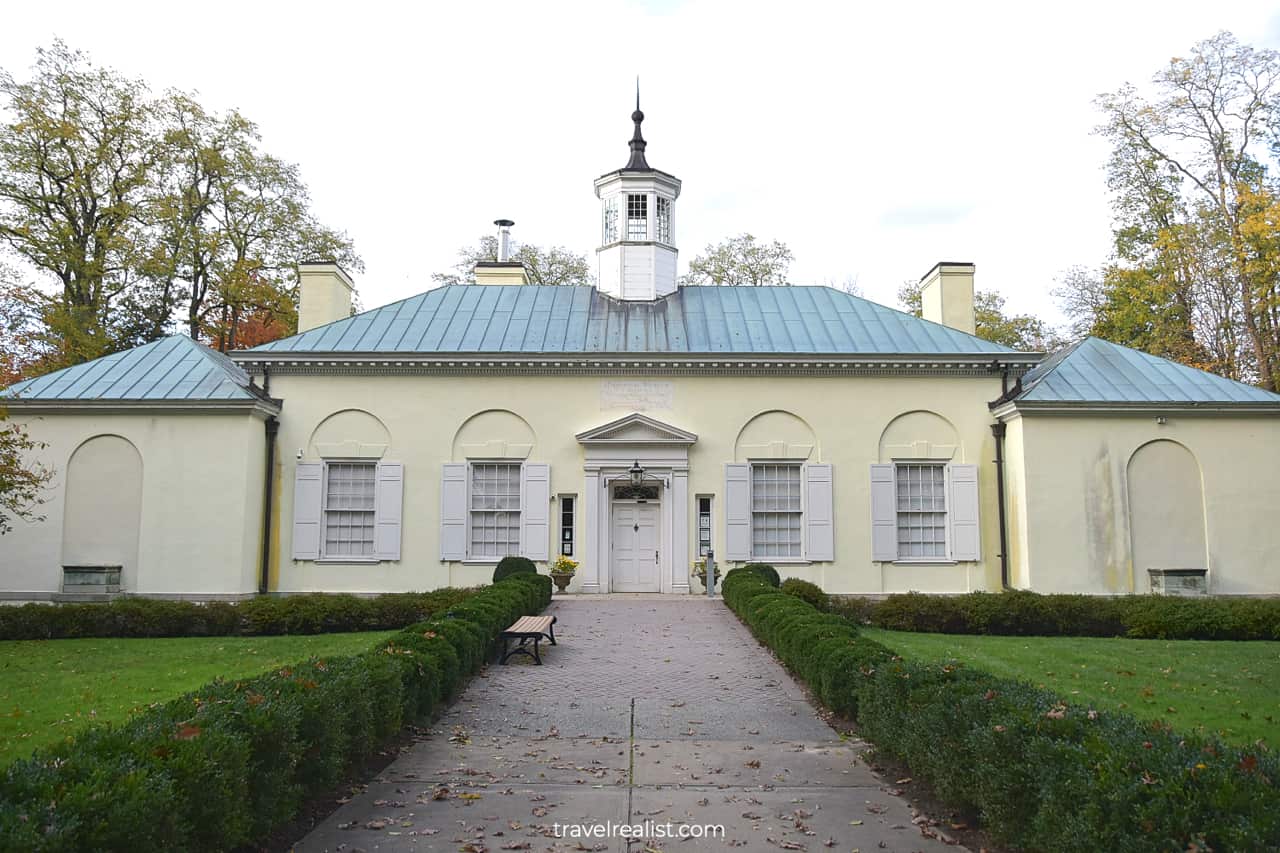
636	429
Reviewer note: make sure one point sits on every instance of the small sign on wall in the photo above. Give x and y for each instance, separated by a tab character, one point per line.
636	396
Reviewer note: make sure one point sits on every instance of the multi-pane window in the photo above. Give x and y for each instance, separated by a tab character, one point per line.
921	491
567	505
637	216
704	525
349	508
495	509
610	221
663	221
776	510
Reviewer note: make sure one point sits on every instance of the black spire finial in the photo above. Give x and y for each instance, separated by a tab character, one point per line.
637	161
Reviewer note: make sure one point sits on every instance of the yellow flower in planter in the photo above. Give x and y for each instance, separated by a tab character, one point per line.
564	566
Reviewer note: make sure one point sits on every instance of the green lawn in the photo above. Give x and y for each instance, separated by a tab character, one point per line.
49	689
1229	688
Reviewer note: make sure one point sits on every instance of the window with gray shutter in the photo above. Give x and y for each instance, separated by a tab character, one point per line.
921	492
776	511
494	510
349	506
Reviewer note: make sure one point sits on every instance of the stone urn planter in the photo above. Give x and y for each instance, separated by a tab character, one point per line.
700	572
562	571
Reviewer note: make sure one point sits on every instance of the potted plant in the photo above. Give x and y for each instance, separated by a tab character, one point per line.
562	572
700	572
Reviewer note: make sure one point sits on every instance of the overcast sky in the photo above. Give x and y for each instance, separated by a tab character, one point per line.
873	139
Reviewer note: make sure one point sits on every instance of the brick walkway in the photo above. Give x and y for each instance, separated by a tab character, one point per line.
650	711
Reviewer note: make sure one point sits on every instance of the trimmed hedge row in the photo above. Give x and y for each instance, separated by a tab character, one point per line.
1041	774
314	613
223	765
1020	613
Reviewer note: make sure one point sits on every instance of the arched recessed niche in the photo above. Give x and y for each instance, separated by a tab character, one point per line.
493	434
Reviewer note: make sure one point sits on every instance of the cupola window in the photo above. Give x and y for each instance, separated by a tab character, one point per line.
637	216
610	220
664	221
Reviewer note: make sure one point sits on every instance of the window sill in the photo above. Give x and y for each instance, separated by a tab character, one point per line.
774	561
926	562
479	561
354	561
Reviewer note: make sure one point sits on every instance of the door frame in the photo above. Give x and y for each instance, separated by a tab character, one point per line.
608	452
657	567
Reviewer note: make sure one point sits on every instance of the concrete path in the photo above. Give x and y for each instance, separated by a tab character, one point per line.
658	712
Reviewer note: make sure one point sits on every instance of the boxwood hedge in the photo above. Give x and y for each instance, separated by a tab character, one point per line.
1042	774
223	765
314	613
1017	612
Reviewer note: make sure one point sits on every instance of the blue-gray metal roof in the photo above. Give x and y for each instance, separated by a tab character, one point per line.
172	368
1098	371
544	319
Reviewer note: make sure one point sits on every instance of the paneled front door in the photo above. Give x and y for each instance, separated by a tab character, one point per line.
635	547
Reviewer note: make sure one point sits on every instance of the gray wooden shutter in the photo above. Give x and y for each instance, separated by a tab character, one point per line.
308	482
390	501
737	512
884	514
962	512
535	510
819	513
453	511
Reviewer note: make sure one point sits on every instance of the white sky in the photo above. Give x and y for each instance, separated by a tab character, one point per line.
874	139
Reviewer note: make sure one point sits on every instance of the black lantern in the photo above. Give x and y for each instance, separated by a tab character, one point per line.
637	474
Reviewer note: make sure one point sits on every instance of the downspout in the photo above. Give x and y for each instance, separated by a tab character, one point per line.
272	427
998	430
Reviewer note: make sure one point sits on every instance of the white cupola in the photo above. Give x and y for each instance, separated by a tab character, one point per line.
637	254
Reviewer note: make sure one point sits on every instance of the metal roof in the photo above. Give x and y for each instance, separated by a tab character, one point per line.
172	368
1098	371
546	319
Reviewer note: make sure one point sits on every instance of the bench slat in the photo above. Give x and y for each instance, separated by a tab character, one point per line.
530	625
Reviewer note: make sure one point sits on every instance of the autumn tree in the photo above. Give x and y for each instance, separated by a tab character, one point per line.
554	265
992	323
76	155
1191	173
741	260
22	479
146	209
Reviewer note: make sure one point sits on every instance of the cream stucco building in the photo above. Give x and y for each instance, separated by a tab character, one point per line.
635	426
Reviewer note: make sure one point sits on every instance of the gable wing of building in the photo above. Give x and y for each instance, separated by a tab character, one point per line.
171	373
1095	374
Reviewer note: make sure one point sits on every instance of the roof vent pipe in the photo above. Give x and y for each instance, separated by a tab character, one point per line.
504	239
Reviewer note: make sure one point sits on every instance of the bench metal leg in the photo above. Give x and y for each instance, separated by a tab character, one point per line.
522	649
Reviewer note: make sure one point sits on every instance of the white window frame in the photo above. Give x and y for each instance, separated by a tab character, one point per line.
326	557
471	556
610	221
946	513
628	218
662	220
573	525
711	524
751	487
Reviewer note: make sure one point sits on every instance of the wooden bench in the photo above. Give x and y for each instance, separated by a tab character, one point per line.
526	629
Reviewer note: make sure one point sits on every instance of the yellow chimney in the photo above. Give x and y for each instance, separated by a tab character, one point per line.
324	294
946	296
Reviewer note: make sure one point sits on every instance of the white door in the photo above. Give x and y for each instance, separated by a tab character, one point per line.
635	546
